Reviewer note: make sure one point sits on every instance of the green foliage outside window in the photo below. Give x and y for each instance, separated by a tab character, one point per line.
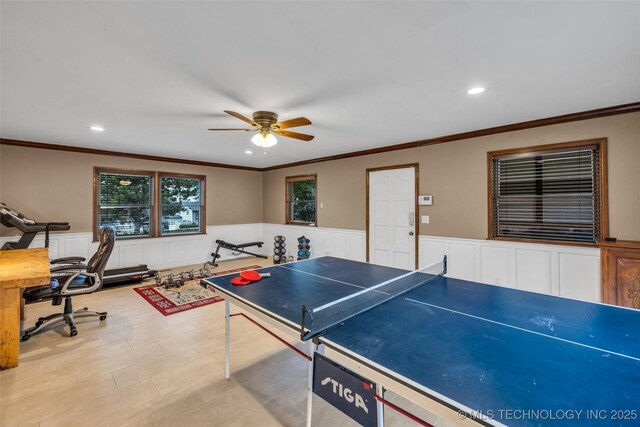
302	200
125	202
180	196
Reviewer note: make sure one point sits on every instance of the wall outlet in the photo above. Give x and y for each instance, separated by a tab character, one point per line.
425	219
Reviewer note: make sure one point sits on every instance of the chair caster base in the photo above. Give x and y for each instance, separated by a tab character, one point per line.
25	337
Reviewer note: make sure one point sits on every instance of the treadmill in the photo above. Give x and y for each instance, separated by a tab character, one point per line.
30	228
120	276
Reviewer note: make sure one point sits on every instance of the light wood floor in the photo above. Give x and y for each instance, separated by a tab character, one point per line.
140	368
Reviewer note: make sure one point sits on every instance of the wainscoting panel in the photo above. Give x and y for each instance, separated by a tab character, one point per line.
128	255
576	273
158	253
462	269
533	271
568	271
494	266
75	245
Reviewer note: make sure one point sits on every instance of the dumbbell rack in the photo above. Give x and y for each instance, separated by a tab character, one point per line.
304	248
279	250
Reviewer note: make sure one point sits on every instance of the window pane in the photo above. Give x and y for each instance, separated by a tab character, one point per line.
548	196
125	204
302	200
180	207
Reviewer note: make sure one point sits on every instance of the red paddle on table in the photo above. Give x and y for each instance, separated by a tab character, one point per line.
248	276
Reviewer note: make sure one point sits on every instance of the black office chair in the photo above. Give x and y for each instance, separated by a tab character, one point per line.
69	280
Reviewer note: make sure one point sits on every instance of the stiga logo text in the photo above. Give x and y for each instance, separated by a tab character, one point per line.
351	393
345	393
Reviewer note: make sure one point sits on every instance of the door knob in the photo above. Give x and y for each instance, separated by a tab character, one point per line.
411	233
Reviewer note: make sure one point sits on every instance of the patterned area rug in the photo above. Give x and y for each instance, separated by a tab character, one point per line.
186	297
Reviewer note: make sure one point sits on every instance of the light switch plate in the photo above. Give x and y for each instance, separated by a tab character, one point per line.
425	219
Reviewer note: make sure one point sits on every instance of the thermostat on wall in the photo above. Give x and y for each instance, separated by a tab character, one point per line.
425	200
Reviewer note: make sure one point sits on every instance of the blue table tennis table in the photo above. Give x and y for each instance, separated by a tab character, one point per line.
472	353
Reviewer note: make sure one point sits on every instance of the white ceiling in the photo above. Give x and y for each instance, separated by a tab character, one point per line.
156	75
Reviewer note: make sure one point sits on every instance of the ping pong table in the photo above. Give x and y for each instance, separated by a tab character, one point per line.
469	352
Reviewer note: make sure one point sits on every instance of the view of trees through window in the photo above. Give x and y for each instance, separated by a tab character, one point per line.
126	203
180	210
301	199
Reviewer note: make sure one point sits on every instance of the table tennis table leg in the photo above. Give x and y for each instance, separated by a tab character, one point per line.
380	405
227	339
312	353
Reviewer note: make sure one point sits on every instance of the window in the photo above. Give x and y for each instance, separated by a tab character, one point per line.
148	204
554	193
125	202
301	200
180	209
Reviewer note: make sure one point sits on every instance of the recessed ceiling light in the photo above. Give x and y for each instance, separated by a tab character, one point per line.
475	90
248	152
97	128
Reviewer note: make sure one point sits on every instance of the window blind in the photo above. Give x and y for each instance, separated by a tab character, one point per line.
124	202
547	195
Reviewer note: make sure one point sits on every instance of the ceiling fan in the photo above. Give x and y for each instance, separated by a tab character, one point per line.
266	124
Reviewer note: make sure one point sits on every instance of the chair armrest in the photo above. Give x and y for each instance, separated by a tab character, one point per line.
69	268
65	291
68	260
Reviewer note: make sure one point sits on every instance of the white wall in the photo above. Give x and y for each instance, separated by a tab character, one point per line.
568	271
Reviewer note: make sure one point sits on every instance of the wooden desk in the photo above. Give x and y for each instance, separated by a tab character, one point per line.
19	269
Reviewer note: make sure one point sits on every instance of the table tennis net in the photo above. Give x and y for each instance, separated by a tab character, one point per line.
316	320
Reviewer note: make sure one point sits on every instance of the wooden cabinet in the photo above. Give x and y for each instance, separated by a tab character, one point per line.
621	273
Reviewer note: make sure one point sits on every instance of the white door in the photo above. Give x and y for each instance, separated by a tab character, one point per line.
392	202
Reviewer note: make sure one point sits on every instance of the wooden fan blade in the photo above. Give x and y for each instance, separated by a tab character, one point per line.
248	130
296	135
300	121
241	117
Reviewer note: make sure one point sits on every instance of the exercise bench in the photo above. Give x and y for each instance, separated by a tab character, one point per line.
235	248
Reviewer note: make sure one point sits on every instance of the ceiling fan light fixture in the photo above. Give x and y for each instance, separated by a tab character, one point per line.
264	139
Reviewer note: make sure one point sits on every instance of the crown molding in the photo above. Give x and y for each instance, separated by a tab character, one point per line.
58	147
566	118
